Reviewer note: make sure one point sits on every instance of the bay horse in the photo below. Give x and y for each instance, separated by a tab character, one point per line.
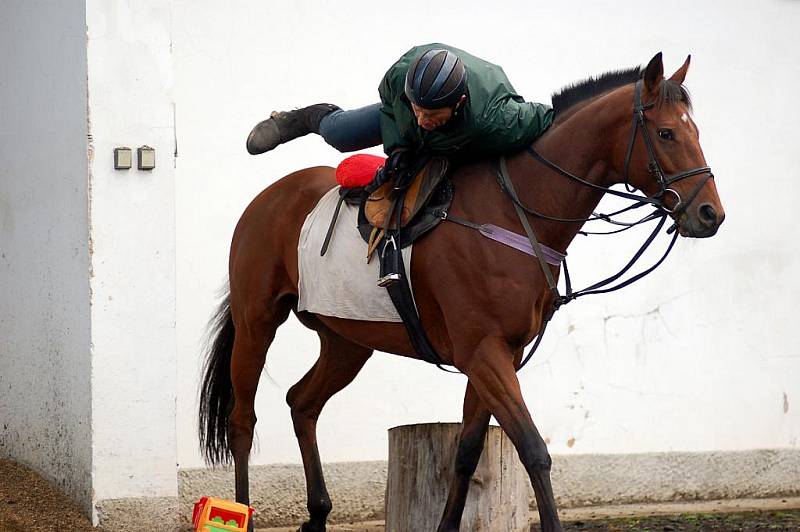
480	303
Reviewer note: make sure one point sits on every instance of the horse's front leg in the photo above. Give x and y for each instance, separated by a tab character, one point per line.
470	447
490	368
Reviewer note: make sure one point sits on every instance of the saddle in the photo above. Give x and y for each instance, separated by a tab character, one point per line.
399	215
406	211
429	191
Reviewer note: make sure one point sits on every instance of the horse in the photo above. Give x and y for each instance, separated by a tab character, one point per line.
461	285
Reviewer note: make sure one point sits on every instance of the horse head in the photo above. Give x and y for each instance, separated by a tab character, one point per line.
664	159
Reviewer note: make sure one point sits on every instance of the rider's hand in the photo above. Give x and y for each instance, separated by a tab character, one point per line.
395	167
398	162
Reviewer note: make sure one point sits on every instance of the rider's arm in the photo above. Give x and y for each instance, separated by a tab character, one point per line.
513	125
389	132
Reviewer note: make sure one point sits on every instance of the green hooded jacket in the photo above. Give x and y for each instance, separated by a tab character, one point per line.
494	120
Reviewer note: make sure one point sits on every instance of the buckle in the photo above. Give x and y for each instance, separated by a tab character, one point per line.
389	279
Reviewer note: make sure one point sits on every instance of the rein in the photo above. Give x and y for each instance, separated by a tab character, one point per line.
661	213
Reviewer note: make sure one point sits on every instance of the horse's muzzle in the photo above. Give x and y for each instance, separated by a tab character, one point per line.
702	221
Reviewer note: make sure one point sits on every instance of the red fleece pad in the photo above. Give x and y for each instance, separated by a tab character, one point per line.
358	170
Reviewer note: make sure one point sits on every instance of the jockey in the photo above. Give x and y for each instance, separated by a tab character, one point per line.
435	99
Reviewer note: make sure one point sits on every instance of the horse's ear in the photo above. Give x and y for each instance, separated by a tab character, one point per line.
680	74
654	73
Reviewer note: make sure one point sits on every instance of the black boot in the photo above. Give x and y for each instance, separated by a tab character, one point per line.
282	127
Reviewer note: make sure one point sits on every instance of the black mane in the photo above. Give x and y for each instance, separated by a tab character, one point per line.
591	87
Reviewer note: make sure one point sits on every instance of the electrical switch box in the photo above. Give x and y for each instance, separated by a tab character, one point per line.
122	158
147	158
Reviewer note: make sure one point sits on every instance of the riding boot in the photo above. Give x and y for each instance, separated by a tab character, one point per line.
283	126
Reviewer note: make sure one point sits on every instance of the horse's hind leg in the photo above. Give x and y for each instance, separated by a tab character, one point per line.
470	447
255	331
490	368
339	363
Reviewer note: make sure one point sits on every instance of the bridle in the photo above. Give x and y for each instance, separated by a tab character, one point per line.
661	213
653	166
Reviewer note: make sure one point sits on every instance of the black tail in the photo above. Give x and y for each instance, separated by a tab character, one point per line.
216	391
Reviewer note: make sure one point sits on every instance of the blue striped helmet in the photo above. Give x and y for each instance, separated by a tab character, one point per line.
436	79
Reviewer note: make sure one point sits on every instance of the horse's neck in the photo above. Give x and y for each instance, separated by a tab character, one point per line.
581	146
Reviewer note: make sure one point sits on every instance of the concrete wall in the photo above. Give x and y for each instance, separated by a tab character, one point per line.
44	253
700	356
88	252
133	260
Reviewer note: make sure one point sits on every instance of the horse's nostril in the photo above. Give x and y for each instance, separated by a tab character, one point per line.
708	216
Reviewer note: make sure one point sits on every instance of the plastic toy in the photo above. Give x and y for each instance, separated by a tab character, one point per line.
218	515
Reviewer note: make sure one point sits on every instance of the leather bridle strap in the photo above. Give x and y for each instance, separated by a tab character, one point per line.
638	121
553	166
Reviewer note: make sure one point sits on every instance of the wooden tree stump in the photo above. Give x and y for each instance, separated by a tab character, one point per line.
421	462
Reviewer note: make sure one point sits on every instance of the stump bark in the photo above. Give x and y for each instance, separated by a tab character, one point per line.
421	463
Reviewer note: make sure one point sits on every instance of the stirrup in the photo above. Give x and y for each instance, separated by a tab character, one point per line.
392	276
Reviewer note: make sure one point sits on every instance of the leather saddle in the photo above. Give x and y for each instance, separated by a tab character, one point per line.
407	212
428	192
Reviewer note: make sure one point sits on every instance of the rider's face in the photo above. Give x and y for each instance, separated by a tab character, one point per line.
431	118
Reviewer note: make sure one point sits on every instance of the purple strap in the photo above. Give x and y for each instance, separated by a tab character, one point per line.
520	243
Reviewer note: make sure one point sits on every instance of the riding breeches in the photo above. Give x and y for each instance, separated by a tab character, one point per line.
352	130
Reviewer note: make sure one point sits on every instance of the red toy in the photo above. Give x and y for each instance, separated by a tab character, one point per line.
218	515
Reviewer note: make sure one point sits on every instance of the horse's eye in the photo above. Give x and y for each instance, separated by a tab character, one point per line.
666	134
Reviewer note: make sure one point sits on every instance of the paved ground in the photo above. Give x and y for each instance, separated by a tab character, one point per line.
29	504
729	515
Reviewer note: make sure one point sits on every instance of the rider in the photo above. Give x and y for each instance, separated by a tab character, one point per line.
435	99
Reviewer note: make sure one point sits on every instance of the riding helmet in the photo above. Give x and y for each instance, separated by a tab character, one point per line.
436	79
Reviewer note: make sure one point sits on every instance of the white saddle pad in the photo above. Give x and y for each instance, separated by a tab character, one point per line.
341	284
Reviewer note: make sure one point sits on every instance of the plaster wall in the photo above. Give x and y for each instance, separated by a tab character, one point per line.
133	259
45	401
700	356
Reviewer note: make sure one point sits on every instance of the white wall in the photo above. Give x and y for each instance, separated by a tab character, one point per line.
133	259
44	256
700	356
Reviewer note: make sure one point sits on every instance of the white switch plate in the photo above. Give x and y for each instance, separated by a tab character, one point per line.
122	158
147	158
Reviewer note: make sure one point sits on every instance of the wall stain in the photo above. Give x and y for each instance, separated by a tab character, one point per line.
570	442
785	403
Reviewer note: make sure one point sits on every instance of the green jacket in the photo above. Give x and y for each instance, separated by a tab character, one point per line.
494	120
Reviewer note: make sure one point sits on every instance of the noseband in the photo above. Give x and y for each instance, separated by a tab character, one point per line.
653	166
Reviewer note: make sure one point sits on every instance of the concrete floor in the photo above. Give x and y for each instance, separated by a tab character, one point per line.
606	512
